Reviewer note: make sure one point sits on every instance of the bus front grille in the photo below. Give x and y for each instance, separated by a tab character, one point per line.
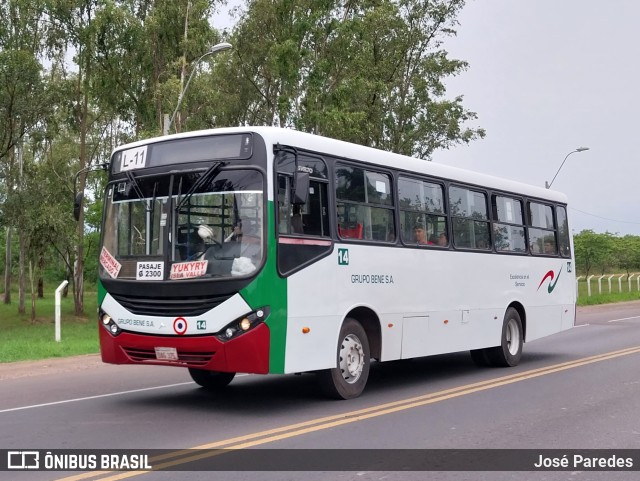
168	306
185	358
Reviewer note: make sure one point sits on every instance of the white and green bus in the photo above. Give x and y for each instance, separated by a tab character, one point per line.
266	250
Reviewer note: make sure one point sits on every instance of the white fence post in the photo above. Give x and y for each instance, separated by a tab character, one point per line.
600	284
630	281
620	283
578	286
609	279
589	284
58	300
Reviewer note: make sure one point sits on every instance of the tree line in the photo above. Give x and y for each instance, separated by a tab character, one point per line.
79	77
606	253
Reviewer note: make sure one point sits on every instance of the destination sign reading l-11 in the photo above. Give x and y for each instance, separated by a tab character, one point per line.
193	149
133	158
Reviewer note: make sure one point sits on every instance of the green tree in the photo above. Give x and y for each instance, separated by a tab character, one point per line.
367	72
71	28
626	252
592	250
22	107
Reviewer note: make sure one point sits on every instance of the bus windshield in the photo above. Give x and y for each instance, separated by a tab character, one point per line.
187	225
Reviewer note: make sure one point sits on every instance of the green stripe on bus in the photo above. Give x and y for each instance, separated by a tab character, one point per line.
269	289
102	293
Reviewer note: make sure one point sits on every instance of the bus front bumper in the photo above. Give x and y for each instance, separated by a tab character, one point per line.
247	353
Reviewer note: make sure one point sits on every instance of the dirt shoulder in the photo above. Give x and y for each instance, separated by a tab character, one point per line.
604	307
14	370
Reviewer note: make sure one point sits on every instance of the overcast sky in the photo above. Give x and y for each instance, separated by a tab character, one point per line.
546	77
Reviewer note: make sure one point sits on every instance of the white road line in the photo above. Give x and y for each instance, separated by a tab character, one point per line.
581	325
625	319
22	408
93	397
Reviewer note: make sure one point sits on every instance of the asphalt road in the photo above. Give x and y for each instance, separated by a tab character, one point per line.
579	389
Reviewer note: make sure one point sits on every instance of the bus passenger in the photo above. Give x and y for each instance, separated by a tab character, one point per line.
442	240
549	247
420	234
251	242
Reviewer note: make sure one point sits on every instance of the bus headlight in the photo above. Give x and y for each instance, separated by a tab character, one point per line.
109	324
242	324
245	324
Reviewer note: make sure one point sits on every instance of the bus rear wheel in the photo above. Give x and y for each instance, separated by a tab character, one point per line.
347	381
211	379
509	352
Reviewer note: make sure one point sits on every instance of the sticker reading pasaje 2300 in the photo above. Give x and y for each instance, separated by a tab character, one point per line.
150	271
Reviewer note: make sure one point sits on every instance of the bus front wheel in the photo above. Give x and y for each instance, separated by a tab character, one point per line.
211	379
509	352
347	381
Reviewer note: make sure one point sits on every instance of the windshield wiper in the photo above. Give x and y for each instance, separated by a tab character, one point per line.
134	183
208	175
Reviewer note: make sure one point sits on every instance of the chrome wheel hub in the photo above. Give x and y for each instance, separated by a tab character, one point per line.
513	337
351	361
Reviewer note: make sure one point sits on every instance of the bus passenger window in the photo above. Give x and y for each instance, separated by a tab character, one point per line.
508	227
563	232
422	204
364	203
309	219
542	232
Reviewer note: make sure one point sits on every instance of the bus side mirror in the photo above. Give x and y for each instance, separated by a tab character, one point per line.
77	204
300	191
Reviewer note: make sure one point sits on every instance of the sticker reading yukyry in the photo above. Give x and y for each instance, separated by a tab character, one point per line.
188	270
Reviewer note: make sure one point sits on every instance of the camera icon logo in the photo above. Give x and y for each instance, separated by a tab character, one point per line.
23	460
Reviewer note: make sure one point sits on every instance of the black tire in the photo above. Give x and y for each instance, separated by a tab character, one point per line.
353	360
509	352
480	357
212	380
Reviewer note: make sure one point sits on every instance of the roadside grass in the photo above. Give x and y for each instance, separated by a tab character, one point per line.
608	298
22	340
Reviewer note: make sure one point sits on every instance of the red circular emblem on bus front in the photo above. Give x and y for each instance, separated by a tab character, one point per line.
180	325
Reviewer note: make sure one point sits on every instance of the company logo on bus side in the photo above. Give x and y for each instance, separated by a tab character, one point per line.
550	275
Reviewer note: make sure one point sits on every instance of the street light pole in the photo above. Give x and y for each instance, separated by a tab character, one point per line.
547	185
216	48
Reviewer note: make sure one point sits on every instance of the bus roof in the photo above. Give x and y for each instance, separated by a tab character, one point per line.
339	148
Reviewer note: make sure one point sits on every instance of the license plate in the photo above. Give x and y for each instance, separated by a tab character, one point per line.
167	353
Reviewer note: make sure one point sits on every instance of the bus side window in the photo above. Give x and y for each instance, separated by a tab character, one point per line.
470	218
309	219
541	229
